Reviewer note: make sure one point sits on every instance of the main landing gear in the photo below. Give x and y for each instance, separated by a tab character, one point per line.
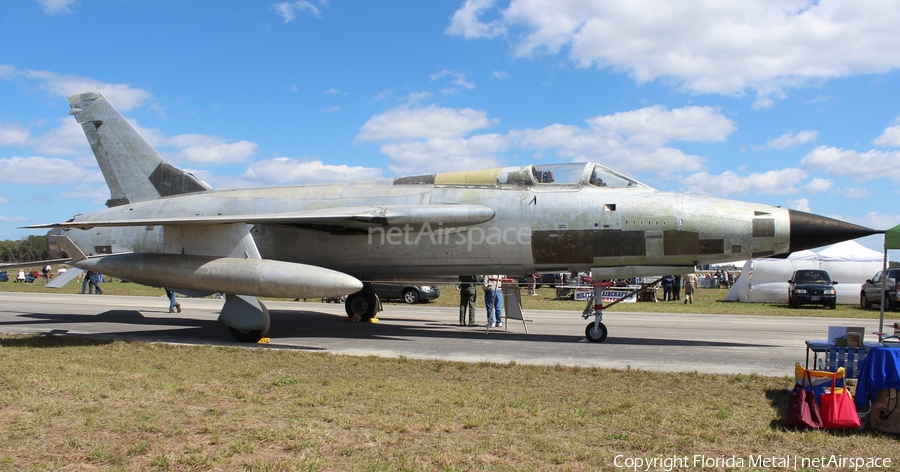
246	317
363	305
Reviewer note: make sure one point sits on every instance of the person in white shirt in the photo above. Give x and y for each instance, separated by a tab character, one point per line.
493	300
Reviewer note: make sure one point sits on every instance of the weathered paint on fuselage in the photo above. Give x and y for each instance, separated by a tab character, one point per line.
536	228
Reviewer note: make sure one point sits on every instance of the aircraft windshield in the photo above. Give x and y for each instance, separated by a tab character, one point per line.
574	174
603	177
558	174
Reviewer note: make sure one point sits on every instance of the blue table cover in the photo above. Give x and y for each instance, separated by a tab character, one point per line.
878	371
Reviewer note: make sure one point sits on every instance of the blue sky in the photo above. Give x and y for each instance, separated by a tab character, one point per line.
790	103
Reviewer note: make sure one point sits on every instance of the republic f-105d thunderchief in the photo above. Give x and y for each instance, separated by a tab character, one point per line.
164	227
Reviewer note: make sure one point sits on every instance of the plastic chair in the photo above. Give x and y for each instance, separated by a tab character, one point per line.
846	357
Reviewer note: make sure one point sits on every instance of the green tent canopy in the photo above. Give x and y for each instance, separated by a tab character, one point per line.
892	238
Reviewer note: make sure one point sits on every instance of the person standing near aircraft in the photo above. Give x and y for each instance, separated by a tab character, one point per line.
493	300
467	295
94	283
676	288
690	284
667	284
173	304
85	280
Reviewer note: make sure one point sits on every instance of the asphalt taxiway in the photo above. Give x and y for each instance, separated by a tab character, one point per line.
727	344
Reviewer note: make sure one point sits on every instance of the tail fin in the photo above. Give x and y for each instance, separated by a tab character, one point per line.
133	170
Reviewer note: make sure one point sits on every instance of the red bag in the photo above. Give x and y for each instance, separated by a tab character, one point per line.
838	410
803	411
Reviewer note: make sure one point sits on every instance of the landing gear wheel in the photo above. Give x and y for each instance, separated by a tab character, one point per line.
362	305
248	313
410	296
251	336
864	300
596	335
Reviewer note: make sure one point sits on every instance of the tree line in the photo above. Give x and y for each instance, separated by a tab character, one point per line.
29	249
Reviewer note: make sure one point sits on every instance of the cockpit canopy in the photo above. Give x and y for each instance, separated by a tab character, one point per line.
572	175
580	174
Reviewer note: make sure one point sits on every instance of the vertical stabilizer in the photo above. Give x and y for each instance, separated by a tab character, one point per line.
133	170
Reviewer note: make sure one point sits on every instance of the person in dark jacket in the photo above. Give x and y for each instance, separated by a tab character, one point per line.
467	294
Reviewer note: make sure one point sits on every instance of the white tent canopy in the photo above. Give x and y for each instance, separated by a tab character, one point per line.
849	263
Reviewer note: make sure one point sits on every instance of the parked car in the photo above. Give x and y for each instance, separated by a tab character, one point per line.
870	292
3	276
811	287
407	293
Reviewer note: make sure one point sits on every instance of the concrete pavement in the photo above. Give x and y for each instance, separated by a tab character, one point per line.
728	344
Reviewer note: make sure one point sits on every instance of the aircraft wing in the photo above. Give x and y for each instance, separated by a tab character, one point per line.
343	217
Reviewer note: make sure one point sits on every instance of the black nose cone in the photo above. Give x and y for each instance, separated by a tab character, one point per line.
810	231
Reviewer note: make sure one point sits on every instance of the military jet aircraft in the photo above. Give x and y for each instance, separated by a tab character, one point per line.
165	227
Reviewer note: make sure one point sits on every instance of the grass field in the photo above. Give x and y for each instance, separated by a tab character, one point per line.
69	403
80	404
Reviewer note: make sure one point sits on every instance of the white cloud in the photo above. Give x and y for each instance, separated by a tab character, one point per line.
196	149
869	165
40	170
706	47
52	7
465	21
441	154
890	137
13	135
433	139
773	182
787	140
288	171
801	204
855	192
67	139
288	10
12	219
428	122
124	96
818	185
3	200
415	99
459	78
96	194
216	154
657	124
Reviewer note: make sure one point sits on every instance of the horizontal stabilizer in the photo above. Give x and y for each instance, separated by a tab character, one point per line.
33	264
351	217
64	278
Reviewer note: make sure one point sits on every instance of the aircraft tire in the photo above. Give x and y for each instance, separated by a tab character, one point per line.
251	336
596	336
362	304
